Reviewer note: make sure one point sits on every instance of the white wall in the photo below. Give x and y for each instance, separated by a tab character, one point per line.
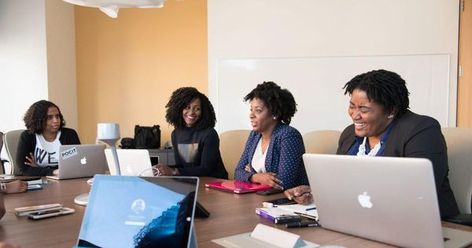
23	63
315	28
320	98
37	58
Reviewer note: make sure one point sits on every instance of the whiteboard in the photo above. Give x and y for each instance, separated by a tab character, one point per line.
317	82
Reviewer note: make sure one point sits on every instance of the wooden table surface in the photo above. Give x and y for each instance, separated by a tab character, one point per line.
230	214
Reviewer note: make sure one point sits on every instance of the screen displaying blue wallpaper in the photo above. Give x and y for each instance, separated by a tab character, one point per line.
138	212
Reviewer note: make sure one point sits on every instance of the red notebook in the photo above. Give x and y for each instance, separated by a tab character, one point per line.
237	187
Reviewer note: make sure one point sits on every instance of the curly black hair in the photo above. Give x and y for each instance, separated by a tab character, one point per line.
383	87
280	102
37	115
180	99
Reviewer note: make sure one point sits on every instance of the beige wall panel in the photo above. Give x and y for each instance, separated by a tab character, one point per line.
128	67
464	110
60	37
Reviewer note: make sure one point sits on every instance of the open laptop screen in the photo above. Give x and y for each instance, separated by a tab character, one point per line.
139	212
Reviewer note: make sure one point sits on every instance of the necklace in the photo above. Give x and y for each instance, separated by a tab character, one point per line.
372	152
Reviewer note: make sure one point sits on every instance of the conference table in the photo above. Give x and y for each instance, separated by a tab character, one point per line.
230	214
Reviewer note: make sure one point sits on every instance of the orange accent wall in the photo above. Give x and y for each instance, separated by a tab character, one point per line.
128	67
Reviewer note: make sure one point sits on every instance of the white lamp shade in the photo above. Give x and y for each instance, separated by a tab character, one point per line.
111	7
108	131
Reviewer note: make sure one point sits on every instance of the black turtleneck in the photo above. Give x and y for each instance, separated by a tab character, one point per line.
197	152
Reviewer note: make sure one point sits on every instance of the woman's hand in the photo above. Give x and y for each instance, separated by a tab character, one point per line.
16	186
268	178
8	245
164	170
30	160
301	194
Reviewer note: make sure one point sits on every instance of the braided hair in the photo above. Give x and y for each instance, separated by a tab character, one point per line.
383	87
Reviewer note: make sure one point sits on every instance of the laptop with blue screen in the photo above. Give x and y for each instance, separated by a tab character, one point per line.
125	211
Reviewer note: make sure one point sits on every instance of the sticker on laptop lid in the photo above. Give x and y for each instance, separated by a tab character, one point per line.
71	152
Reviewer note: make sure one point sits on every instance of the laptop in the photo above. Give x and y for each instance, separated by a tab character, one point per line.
133	162
125	211
76	161
392	200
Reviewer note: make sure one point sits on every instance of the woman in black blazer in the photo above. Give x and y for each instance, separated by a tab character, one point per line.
383	126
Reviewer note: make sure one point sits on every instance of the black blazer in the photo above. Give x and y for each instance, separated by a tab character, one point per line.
416	136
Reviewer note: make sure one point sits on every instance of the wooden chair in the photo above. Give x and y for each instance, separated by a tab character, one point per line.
231	147
459	148
321	141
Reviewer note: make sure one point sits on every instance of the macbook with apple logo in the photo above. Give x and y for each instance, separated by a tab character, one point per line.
76	161
391	200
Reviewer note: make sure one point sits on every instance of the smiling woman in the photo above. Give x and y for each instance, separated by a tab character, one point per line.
194	139
38	147
383	126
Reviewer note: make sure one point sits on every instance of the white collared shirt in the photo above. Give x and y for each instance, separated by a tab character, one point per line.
258	159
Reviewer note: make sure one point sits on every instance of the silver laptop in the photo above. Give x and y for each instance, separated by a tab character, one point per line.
133	162
77	161
126	211
392	200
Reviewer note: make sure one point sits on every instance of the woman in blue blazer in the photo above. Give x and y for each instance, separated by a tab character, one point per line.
273	151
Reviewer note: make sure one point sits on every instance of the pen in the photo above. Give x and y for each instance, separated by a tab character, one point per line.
308	209
302	224
306	215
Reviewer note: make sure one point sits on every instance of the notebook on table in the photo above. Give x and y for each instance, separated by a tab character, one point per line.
237	187
76	161
133	162
126	211
392	200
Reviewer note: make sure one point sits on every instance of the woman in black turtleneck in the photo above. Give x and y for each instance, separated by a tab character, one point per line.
194	139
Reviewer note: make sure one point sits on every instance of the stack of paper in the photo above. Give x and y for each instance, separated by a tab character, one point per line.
308	211
277	215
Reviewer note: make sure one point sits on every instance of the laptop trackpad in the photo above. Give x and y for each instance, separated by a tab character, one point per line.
454	238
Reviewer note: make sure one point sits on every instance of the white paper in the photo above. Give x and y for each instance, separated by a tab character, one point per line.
265	236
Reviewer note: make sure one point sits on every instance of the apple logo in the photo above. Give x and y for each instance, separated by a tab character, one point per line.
83	160
364	200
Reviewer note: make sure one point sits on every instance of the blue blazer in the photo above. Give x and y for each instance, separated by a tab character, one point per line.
284	156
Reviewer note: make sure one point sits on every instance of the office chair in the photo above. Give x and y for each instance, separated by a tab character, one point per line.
2	162
231	147
11	139
459	143
321	141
